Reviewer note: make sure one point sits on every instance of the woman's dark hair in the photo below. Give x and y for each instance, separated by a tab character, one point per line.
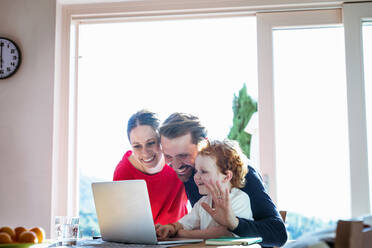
143	117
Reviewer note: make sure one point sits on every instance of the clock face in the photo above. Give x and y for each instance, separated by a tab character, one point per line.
10	58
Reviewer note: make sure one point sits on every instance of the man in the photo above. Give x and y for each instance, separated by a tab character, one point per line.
180	134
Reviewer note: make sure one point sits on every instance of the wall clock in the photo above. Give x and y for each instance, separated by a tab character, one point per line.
10	57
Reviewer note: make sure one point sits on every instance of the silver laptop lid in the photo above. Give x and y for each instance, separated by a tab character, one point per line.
124	211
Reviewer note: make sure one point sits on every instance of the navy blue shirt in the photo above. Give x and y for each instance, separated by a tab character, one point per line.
267	222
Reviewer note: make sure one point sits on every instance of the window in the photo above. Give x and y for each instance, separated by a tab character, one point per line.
358	114
194	66
312	157
302	80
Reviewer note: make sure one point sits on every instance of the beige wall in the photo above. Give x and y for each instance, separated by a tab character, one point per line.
26	115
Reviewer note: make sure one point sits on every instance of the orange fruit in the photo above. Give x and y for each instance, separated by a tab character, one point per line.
40	233
9	231
18	231
5	238
28	237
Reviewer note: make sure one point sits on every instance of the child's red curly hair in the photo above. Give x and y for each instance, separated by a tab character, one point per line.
228	156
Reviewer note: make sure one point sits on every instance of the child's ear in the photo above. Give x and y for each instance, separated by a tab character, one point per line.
228	176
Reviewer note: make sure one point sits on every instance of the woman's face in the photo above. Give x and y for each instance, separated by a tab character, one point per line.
145	144
205	171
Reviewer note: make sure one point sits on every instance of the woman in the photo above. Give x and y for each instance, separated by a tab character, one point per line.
166	192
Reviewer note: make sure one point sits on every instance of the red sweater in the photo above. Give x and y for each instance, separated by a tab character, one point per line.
166	192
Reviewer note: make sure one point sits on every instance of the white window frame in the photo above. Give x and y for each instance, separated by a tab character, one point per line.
354	15
358	153
65	174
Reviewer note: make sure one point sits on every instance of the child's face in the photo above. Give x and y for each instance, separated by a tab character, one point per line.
206	170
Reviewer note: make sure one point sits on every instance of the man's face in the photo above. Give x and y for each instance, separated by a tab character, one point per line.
180	154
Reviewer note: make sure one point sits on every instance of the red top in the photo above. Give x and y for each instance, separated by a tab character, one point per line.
166	192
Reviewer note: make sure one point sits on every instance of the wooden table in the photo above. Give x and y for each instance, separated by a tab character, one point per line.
201	244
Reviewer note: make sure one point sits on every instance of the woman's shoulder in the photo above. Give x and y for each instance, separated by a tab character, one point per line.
125	159
124	169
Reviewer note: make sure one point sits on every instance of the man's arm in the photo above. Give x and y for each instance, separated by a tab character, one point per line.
271	229
267	221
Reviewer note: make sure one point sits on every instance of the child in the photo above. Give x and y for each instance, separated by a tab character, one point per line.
221	162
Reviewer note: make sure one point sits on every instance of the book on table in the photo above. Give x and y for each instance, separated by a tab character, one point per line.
234	241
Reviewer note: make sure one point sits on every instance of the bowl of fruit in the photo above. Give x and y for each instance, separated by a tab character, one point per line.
20	237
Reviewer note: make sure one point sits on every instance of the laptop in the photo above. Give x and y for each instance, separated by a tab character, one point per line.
124	213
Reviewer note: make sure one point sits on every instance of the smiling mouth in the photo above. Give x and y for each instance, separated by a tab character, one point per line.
149	160
184	169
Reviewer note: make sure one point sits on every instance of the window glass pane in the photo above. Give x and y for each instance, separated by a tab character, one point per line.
367	59
311	127
193	66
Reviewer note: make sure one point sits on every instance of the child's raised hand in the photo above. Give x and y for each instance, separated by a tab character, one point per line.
164	231
222	212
